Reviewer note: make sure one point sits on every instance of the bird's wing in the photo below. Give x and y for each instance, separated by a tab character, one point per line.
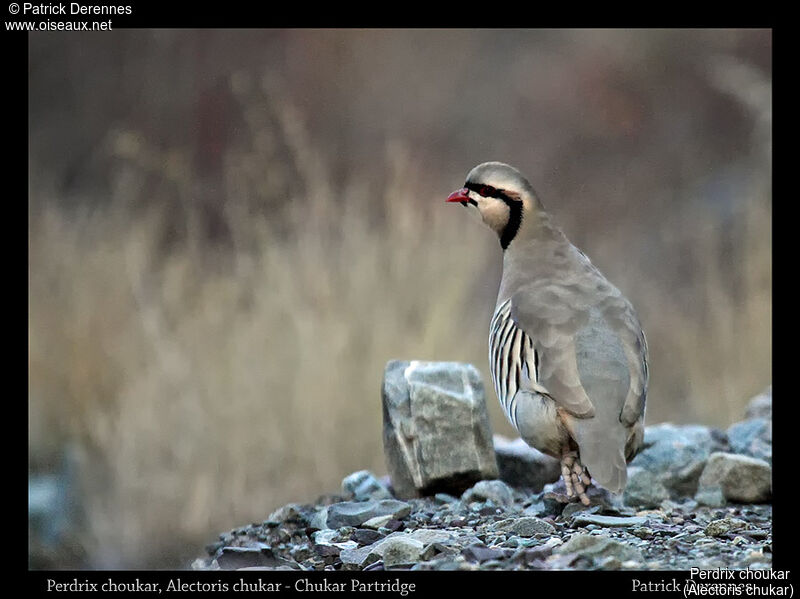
620	315
554	313
550	313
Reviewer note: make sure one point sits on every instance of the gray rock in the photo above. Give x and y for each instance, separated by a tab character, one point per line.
608	521
291	512
378	522
710	497
399	551
495	491
429	535
365	536
571	509
363	485
537	508
521	465
644	488
741	478
356	513
438	549
445	498
436	431
676	454
527	526
319	519
204	564
752	437
401	545
356	559
331	542
722	526
554	503
234	558
478	552
598	547
761	405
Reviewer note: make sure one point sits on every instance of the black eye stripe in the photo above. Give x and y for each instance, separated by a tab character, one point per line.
488	191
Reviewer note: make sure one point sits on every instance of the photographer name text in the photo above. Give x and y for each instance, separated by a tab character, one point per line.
73	8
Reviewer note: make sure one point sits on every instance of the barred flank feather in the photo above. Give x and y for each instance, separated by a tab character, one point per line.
510	350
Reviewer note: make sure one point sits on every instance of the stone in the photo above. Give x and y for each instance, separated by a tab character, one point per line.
537	508
365	536
527	526
710	497
608	521
741	479
356	559
356	513
722	526
676	455
436	431
203	564
291	512
752	437
444	498
644	489
332	542
378	522
399	551
521	465
234	558
319	518
599	547
363	485
437	549
430	535
402	546
554	503
571	509
760	406
480	553
496	491
212	548
393	525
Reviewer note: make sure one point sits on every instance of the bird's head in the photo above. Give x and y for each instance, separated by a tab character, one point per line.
501	196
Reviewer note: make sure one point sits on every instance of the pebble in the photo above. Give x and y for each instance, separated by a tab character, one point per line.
494	526
526	526
495	491
608	521
401	551
356	513
364	485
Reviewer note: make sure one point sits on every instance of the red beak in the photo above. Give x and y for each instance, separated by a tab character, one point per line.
462	195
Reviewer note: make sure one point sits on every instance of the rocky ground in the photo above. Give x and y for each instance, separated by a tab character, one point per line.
496	527
696	497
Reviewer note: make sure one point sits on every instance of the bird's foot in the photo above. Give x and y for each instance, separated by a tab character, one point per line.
576	476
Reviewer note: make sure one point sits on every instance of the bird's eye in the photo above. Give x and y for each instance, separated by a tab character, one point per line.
486	191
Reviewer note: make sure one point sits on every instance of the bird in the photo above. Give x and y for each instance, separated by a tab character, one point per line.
567	353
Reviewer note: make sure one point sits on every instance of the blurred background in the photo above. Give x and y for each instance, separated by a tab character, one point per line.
231	232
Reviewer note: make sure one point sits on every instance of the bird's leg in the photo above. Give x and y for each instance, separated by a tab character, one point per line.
576	477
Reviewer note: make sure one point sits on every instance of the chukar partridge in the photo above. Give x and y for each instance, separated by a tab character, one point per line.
567	354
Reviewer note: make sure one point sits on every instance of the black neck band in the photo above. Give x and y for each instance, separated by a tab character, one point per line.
514	221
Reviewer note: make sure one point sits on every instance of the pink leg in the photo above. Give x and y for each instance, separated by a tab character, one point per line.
576	477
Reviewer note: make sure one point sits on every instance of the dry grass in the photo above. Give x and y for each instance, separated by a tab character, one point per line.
205	384
209	389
